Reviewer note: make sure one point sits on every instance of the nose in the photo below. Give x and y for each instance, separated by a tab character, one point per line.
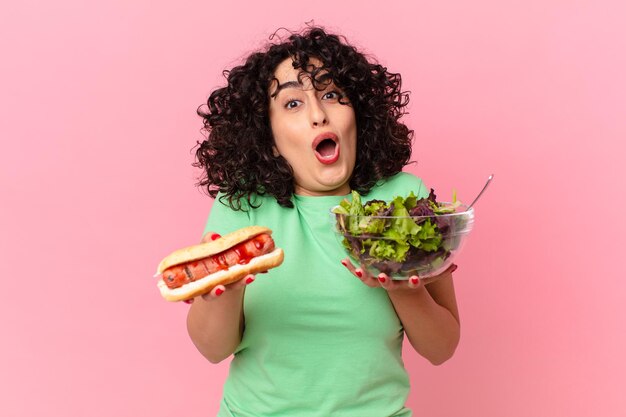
317	114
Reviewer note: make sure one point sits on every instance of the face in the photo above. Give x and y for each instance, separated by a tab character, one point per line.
313	131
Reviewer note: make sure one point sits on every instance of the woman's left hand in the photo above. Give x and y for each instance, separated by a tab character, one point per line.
382	280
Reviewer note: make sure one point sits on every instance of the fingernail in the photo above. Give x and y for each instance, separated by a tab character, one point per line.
358	273
215	236
249	280
219	292
415	280
187	301
344	262
382	279
453	268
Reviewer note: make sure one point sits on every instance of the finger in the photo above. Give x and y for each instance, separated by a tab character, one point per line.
346	262
450	269
243	282
366	273
367	278
386	282
215	292
358	272
383	280
414	282
210	236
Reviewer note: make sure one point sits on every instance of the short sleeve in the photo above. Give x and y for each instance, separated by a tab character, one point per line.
223	219
424	190
400	184
417	185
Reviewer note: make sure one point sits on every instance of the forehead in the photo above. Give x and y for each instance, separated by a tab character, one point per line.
286	72
286	76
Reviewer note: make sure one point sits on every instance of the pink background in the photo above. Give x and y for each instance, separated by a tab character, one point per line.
98	121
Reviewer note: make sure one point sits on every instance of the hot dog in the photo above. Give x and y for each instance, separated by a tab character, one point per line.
197	269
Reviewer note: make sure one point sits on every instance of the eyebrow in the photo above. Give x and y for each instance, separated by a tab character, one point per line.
288	84
297	84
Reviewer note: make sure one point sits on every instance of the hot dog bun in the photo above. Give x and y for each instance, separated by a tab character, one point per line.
203	250
234	273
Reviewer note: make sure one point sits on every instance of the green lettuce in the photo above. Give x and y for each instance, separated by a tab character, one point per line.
401	234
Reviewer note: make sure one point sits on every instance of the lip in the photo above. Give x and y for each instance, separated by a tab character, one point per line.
326	160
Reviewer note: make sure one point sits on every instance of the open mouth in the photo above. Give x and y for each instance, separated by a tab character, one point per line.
326	147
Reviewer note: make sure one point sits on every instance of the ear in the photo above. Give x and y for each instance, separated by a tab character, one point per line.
275	151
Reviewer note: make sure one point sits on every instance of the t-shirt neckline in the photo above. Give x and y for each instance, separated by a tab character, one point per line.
322	201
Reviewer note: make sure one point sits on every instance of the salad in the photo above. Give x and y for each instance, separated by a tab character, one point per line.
406	235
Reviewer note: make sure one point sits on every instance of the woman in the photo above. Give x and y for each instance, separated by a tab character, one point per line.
298	127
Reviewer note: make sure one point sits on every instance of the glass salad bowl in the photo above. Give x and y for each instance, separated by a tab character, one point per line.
420	242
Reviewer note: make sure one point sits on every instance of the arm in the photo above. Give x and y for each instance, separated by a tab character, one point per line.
430	318
428	312
216	326
215	320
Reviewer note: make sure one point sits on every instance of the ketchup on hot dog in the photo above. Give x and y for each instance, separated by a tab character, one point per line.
242	253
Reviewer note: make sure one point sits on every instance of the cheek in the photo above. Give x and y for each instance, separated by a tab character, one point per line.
284	141
291	138
350	132
290	148
348	122
279	134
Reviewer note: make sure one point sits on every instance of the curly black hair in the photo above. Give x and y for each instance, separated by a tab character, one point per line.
236	156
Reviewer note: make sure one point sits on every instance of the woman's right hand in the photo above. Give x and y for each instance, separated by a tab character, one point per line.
221	289
215	321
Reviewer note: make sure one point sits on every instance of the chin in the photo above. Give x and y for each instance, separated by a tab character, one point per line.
336	186
329	180
338	177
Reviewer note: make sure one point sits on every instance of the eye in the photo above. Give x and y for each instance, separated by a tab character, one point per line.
292	104
331	95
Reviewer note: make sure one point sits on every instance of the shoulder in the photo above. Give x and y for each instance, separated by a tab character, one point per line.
223	218
244	205
400	184
401	179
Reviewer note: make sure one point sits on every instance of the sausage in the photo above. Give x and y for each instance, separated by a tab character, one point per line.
242	253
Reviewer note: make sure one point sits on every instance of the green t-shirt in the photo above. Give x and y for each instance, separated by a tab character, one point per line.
317	342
